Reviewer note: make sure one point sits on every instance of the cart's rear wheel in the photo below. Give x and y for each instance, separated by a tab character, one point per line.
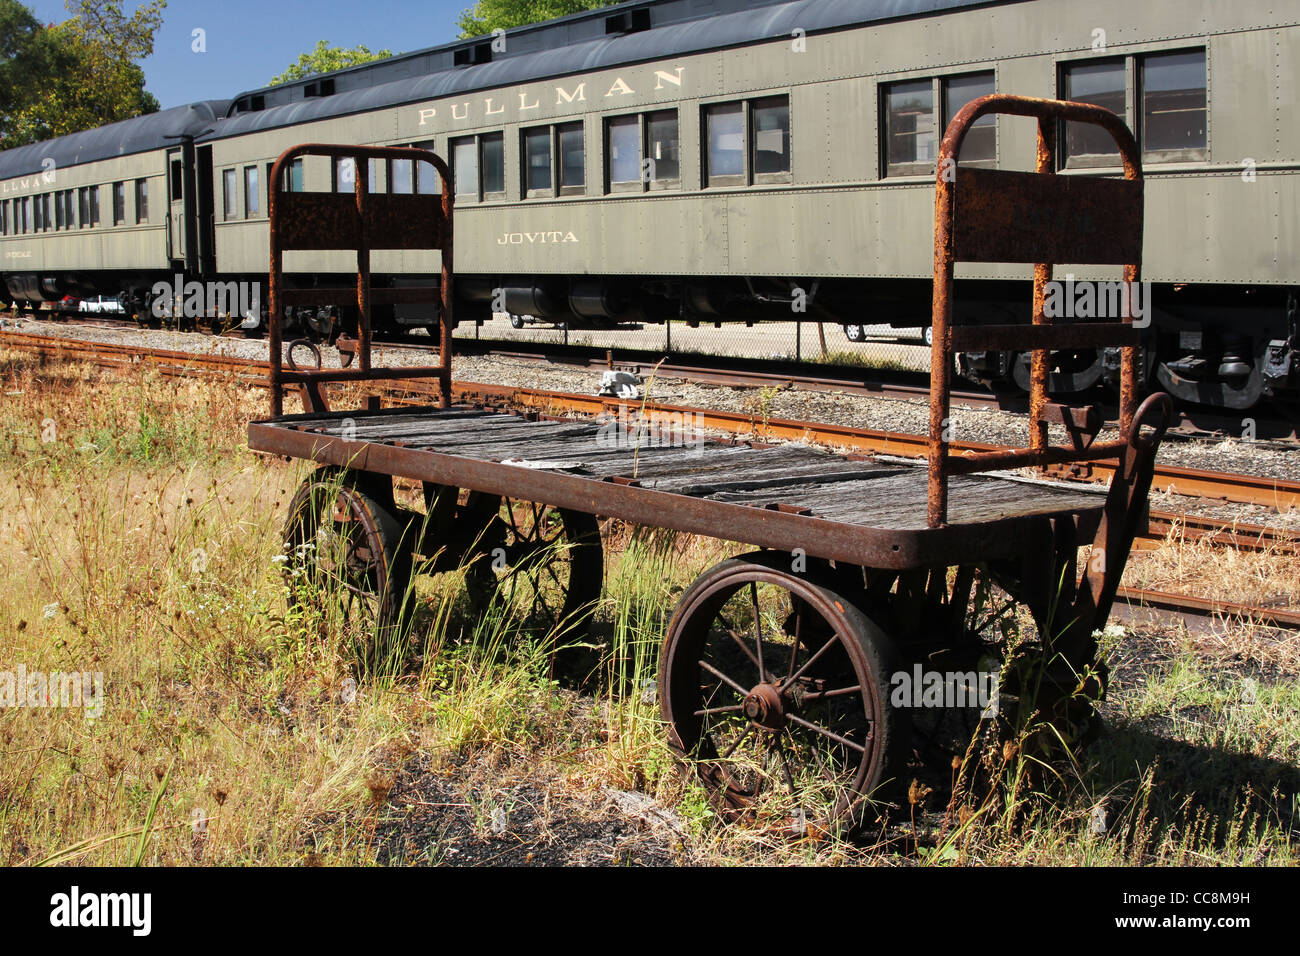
348	568
779	688
545	564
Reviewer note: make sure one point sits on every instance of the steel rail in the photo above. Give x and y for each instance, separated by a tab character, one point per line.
1276	493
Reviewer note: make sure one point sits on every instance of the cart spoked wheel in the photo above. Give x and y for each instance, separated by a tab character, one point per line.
778	688
1025	691
544	564
348	568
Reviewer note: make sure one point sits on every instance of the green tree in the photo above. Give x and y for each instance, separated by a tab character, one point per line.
27	52
325	59
88	72
488	15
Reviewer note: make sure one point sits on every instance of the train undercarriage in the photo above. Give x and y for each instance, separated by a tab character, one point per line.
1219	346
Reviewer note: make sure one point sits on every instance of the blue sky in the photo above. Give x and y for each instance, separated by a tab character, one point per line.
249	41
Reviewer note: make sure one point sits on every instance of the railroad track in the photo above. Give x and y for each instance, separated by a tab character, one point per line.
1275	431
1270	492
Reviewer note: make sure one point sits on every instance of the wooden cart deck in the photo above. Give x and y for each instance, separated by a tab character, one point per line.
780	496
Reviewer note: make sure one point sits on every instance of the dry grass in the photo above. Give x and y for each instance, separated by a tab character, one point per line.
139	542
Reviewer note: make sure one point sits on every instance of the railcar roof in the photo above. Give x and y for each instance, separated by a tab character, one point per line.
578	43
138	135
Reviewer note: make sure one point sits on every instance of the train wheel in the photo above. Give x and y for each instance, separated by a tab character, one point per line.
348	569
1071	371
777	688
544	564
854	333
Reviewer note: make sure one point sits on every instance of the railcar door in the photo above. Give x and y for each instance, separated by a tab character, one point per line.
176	204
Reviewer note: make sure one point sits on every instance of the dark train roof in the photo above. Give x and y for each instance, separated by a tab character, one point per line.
577	43
137	135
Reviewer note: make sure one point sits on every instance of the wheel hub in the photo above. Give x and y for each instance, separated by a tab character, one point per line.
764	707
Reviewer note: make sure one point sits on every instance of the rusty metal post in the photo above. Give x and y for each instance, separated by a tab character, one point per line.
1128	355
1038	358
274	279
445	318
361	183
940	348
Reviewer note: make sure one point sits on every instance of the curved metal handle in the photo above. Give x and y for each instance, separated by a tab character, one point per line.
1134	434
1042	110
301	343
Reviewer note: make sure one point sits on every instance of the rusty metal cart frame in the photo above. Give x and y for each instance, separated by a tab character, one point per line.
873	564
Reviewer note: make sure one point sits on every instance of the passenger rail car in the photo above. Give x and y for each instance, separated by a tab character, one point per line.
719	160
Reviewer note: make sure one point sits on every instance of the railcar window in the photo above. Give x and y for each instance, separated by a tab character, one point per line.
293	176
37	220
537	161
427	180
83	206
178	183
345	175
69	209
27	215
771	146
230	194
554	161
493	162
403	176
663	148
747	142
1167	89
623	149
94	205
909	128
1102	83
1173	106
376	167
44	203
141	200
252	194
725	137
59	221
479	166
465	166
119	203
573	158
980	148
4	217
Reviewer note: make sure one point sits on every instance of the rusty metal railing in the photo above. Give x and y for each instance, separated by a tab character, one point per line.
994	215
362	221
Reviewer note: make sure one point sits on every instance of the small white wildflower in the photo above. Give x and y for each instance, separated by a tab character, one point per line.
1249	691
348	690
500	820
1097	821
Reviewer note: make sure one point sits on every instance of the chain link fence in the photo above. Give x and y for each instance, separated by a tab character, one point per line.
815	343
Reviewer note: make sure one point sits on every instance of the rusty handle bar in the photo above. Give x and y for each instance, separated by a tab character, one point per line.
361	190
1048	113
